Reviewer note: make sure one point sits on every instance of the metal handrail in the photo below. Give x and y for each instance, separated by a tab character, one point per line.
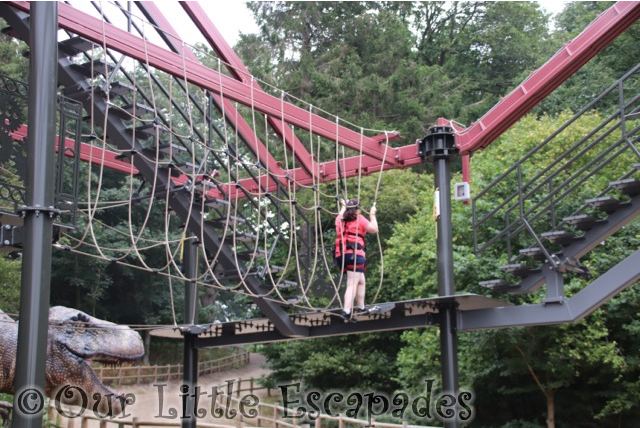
508	230
554	194
557	160
559	130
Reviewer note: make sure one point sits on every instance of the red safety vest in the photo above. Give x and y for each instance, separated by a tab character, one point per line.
350	238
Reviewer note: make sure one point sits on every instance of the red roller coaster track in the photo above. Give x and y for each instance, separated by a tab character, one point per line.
376	157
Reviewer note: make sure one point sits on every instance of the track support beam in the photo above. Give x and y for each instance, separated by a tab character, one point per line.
38	214
190	360
438	147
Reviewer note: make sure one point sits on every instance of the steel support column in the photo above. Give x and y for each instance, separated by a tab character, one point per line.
439	148
38	218
190	357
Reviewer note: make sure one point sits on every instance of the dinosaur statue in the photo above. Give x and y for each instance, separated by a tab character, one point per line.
75	339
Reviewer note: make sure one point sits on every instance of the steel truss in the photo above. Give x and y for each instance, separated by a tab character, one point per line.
451	313
520	101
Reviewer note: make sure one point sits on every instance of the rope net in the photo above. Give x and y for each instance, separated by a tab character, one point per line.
187	172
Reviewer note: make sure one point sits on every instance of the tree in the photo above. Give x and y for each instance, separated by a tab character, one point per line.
602	70
527	374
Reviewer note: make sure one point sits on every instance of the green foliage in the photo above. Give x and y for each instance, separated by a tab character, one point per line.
599	73
10	274
365	362
400	65
12	59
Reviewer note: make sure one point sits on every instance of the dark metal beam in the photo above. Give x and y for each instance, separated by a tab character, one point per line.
117	131
135	47
338	329
587	300
438	148
591	239
38	214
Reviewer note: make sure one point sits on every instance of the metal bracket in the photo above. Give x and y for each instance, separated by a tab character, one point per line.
194	329
37	209
11	237
555	285
569	264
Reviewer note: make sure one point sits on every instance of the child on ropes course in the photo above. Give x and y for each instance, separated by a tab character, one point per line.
350	256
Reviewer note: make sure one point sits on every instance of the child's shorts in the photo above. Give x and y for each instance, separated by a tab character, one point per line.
351	265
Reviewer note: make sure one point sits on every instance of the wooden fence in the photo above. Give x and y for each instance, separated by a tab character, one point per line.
268	416
240	385
147	374
271	415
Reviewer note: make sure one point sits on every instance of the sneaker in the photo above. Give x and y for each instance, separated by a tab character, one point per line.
348	317
362	310
373	309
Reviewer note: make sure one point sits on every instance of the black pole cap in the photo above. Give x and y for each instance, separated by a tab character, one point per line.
438	144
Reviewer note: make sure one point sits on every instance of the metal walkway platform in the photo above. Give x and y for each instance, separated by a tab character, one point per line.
404	315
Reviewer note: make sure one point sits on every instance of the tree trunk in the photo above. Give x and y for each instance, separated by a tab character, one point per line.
551	410
147	347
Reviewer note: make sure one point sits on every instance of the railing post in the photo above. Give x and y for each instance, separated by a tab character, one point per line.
507	221
553	205
38	214
318	423
623	121
51	414
275	416
520	198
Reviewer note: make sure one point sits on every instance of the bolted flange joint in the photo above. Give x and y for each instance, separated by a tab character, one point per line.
438	144
52	212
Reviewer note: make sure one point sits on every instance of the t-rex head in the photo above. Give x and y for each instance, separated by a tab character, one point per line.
76	339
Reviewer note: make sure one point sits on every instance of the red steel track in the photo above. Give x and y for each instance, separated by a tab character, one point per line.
376	156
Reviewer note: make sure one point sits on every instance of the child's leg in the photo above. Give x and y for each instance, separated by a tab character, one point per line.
350	293
361	290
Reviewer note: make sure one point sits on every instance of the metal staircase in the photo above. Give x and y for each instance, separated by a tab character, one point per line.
159	158
548	223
